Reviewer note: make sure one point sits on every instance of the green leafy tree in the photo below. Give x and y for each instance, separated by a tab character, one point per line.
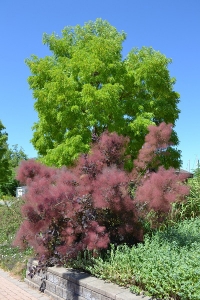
4	164
13	156
86	87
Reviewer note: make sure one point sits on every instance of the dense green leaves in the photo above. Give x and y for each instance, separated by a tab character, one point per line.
4	164
13	156
86	86
9	160
166	266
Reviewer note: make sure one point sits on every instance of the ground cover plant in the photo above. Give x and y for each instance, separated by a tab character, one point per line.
166	265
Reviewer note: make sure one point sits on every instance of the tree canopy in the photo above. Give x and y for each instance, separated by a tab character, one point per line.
13	156
4	164
86	87
9	161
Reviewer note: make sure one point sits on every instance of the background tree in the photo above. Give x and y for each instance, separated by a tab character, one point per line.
13	156
4	163
86	87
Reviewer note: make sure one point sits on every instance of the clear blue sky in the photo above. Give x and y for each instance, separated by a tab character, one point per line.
170	26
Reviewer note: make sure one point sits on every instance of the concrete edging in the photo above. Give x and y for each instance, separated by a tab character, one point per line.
70	284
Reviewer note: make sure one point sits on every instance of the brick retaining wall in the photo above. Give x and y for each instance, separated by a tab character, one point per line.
69	284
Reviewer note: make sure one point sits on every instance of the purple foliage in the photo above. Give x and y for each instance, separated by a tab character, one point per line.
90	205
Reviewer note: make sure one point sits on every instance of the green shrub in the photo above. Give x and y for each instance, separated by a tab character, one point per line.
192	206
189	208
166	265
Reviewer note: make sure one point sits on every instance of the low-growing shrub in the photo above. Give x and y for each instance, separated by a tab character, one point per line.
165	266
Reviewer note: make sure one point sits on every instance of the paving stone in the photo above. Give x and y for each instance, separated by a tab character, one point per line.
13	289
